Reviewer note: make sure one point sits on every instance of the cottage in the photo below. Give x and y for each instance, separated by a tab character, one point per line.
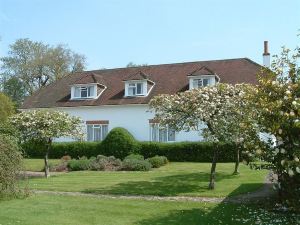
110	98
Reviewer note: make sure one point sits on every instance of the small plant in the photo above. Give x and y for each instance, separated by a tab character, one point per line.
82	163
66	158
134	156
136	165
158	161
105	163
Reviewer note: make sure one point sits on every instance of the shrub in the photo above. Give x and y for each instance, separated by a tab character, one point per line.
66	158
136	165
158	161
105	163
134	156
188	151
82	163
176	152
60	167
10	166
119	143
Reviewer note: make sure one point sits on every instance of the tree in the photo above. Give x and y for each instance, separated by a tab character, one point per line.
14	88
209	105
6	107
132	64
36	64
277	104
43	126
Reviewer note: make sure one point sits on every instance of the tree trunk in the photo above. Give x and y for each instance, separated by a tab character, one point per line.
213	170
47	172
237	162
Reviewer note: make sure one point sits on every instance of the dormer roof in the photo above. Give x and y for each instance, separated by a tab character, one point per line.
137	76
202	71
91	78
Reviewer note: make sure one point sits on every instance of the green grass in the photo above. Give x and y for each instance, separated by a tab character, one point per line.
37	165
73	210
175	179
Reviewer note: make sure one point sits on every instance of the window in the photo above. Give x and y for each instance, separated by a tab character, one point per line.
96	132
201	82
161	134
84	92
135	89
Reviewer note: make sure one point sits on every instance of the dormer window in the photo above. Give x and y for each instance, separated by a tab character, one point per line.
138	85
84	92
89	86
202	77
135	89
201	82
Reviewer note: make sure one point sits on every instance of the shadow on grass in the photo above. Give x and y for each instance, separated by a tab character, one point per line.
162	186
248	212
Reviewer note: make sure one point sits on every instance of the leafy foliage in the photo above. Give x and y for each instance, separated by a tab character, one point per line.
6	107
136	165
104	163
10	166
82	163
158	161
277	109
120	143
36	65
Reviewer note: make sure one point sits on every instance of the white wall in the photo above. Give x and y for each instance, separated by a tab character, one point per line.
134	118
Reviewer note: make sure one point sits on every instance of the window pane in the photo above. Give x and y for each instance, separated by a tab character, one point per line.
104	131
162	135
97	133
131	90
83	92
89	132
91	91
154	132
77	92
139	90
171	134
205	82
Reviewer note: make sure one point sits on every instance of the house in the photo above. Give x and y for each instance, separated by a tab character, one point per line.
110	98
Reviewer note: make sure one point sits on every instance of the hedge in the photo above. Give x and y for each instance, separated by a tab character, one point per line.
178	151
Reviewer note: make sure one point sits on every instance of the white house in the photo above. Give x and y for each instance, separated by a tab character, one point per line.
110	98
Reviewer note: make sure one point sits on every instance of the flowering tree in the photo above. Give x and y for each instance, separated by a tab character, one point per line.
277	102
43	126
216	107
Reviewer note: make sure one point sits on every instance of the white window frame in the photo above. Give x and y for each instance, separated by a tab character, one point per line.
198	81
96	126
134	86
90	95
157	133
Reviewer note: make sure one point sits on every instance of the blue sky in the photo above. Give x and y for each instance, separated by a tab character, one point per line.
113	33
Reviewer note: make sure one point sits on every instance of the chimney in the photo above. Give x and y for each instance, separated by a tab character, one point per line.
266	55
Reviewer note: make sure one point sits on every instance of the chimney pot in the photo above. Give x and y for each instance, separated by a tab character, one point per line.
266	55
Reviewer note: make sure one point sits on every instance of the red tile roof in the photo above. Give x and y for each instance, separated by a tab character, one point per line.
137	76
168	78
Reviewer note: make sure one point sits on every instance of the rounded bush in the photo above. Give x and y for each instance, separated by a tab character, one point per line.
136	165
158	161
82	163
134	156
104	163
119	143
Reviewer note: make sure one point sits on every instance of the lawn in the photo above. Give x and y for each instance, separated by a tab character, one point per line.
73	210
175	179
37	165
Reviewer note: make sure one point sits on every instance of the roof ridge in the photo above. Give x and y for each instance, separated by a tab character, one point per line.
164	64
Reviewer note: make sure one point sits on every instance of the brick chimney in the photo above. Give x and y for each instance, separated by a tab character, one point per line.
266	55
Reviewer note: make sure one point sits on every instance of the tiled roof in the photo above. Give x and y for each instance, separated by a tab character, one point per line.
202	71
168	78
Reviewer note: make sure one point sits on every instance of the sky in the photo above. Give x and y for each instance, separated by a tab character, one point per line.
112	33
